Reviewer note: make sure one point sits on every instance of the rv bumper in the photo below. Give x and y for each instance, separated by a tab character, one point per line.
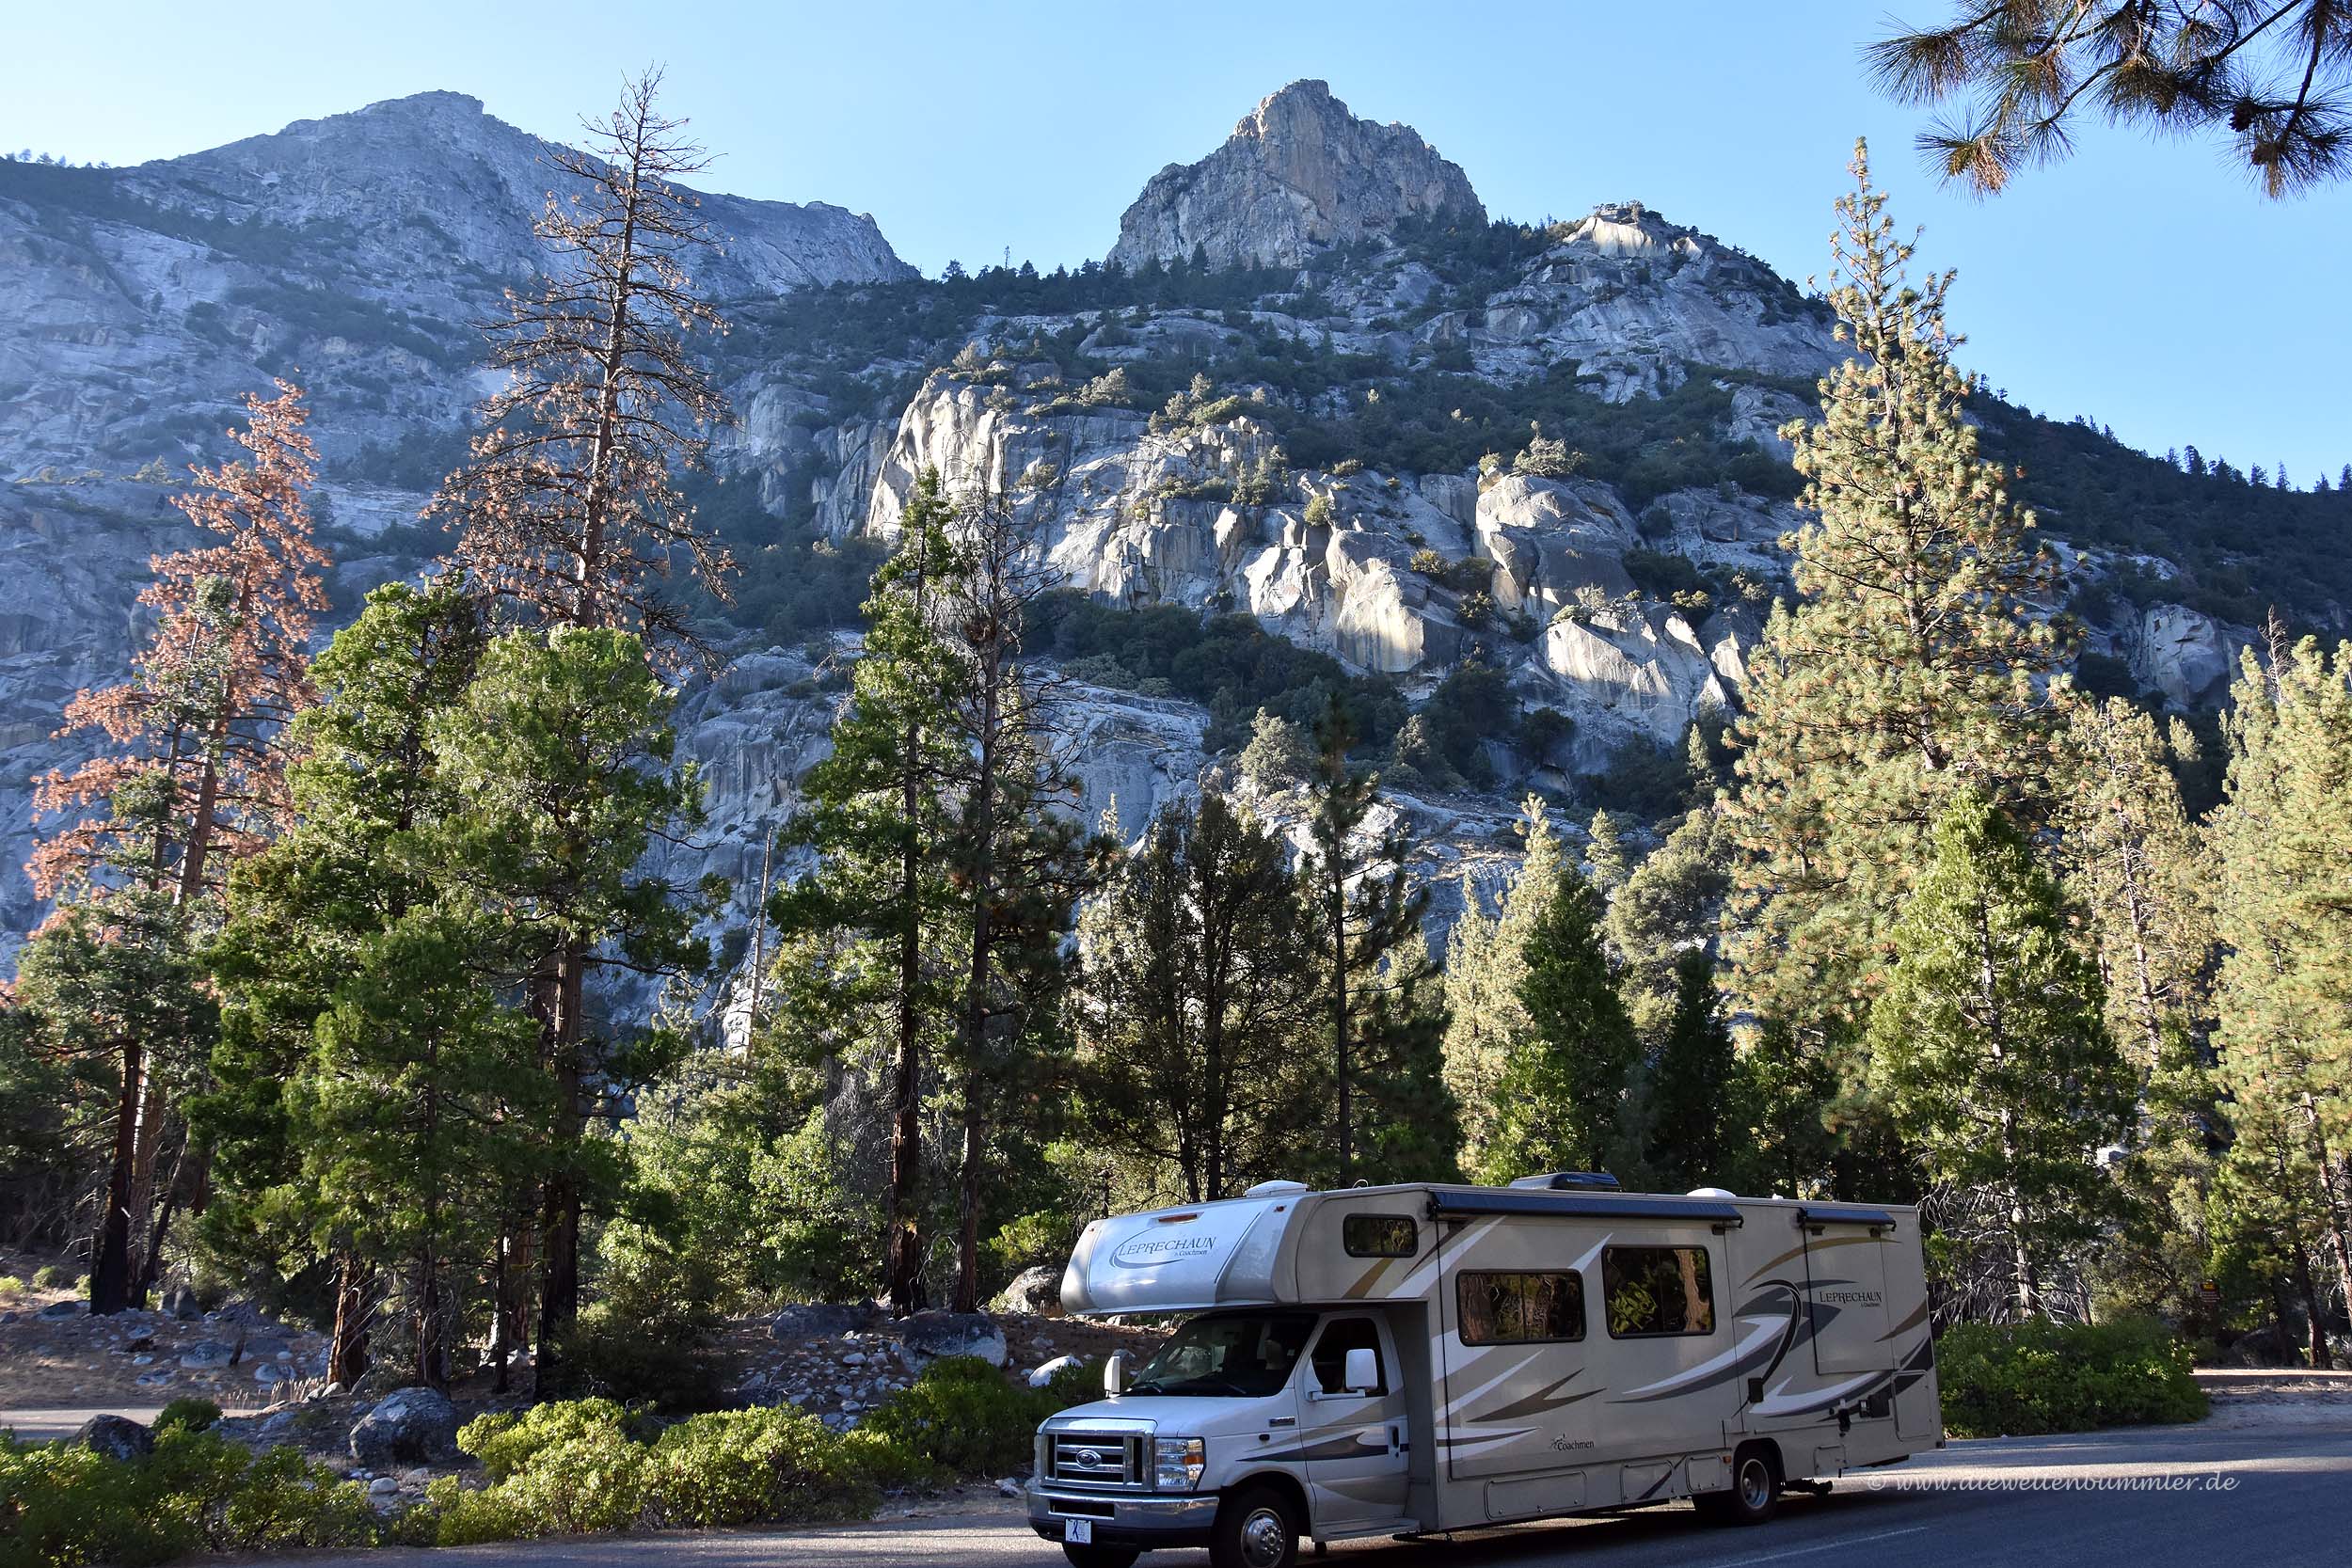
1140	1521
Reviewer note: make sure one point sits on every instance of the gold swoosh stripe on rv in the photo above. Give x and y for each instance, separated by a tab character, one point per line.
1819	1244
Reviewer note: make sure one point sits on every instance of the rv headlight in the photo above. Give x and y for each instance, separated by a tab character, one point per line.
1177	1463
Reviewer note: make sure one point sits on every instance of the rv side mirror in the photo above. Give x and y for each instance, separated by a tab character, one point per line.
1363	1371
1115	1374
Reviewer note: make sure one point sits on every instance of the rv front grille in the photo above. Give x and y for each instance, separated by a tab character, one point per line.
1107	1459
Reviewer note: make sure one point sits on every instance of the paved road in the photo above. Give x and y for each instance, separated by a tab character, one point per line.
38	1424
2273	1497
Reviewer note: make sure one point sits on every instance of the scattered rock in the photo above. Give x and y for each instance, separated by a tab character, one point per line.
206	1356
413	1424
59	1309
1008	1486
383	1486
114	1436
1042	1375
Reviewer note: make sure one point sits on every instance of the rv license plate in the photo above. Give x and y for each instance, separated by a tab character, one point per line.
1080	1532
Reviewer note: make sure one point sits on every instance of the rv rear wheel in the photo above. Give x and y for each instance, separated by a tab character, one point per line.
1755	1492
1101	1557
1256	1527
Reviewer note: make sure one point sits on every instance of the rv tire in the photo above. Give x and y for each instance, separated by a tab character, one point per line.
1256	1527
1754	1496
1101	1557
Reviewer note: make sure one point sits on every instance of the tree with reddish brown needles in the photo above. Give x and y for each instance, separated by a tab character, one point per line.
188	777
567	511
567	514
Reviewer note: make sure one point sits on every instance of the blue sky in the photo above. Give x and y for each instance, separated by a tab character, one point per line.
2145	284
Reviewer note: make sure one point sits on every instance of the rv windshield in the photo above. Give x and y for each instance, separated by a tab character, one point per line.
1243	1355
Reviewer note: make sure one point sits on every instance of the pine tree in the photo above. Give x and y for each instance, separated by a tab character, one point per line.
1485	963
1563	1093
565	752
1199	979
1989	1047
880	819
566	510
373	1087
191	779
2138	869
2284	911
1695	1097
192	737
1673	902
1018	864
1606	854
1374	966
1905	675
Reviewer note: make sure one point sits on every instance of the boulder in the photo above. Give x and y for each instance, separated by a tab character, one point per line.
57	1309
412	1425
206	1356
114	1436
929	1335
1041	1376
1035	1292
818	1320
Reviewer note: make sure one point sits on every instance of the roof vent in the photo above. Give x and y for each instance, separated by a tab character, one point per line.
1569	1180
1711	1191
1275	1189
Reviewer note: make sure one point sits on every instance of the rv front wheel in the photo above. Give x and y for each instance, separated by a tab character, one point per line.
1755	1492
1256	1527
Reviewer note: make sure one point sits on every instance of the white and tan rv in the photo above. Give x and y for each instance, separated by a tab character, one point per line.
1413	1359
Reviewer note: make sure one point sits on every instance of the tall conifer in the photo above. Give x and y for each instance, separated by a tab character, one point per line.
1905	672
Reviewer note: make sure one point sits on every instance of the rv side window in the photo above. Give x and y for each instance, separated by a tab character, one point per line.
1652	1291
1379	1235
1520	1309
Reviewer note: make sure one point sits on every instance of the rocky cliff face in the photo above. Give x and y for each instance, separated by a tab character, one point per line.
1344	474
354	252
1298	174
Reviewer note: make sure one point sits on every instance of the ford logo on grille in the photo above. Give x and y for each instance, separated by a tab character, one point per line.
1091	1458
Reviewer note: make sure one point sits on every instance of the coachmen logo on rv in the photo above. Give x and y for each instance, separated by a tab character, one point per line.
1143	1252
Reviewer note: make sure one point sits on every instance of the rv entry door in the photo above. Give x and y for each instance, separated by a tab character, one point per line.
1355	1440
1845	1268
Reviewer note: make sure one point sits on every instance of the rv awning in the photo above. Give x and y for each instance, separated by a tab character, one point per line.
1580	1205
1845	1216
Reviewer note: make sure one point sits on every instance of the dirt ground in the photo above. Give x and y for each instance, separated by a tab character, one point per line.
55	1370
2277	1397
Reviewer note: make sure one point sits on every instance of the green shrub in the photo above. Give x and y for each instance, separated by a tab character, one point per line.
882	1462
964	1416
464	1516
284	1500
64	1507
506	1440
11	1285
2021	1379
753	1467
191	1413
56	1276
597	1479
